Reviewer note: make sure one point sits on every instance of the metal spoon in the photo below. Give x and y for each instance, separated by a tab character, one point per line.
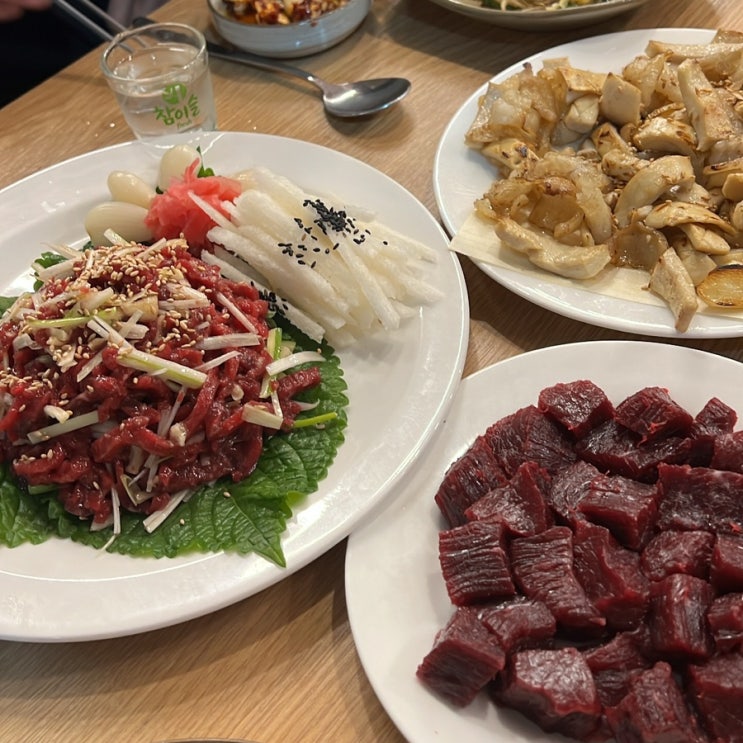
346	100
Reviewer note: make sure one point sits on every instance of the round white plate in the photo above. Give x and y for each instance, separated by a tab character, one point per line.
396	597
542	20
60	591
462	175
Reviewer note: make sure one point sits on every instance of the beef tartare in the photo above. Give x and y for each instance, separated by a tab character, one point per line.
135	374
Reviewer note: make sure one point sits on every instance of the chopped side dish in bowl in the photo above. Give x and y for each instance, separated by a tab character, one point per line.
284	30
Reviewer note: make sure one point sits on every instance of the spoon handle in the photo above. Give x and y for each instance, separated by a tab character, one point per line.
262	63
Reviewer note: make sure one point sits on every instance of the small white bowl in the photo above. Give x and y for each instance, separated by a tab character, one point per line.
294	39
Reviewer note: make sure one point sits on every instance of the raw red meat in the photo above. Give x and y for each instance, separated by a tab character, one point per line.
552	687
528	435
714	419
626	548
727	452
464	658
716	689
474	563
652	414
610	575
678	618
475	473
569	486
617	450
578	406
614	663
543	568
678	552
726	568
519	623
653	711
725	619
626	507
699	498
521	505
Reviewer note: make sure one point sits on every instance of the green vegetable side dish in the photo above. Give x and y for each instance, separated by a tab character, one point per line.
246	517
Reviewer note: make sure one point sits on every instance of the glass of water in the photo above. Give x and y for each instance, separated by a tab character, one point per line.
160	76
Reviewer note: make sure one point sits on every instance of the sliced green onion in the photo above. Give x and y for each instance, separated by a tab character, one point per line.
73	321
228	340
57	429
134	359
315	420
261	417
157	517
41	489
301	357
273	342
164	368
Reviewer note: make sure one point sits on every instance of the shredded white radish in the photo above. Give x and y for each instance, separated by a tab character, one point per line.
351	276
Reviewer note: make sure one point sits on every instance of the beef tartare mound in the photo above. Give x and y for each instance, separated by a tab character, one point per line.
135	374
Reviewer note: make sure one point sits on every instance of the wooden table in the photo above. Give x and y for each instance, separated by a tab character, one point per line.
281	667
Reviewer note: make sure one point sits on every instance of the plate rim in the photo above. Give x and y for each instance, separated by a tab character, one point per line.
451	274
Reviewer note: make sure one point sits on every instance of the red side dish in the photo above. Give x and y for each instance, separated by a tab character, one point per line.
593	555
126	378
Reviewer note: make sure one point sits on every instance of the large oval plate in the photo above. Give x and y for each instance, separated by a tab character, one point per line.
63	591
396	597
461	175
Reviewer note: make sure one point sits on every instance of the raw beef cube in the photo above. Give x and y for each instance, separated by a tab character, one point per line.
614	663
725	619
521	505
699	498
528	435
554	688
464	658
543	568
519	623
678	618
569	486
626	507
578	406
654	711
716	688
610	575
678	552
615	449
727	452
469	478
474	563
652	414
713	419
726	569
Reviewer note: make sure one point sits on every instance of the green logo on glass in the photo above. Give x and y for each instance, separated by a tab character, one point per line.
174	94
180	108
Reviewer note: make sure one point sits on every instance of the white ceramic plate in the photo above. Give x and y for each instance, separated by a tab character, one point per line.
63	591
542	20
462	175
395	594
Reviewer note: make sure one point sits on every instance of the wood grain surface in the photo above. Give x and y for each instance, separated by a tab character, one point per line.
281	667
